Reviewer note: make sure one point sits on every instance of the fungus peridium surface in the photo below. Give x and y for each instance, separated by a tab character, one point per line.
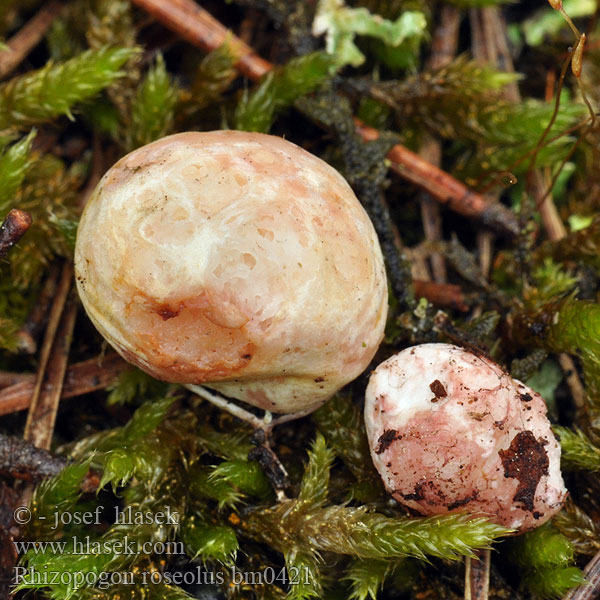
450	431
236	260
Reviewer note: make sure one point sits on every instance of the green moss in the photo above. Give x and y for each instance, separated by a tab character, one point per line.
54	90
280	88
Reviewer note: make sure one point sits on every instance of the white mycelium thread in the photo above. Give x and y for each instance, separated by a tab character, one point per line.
450	431
236	260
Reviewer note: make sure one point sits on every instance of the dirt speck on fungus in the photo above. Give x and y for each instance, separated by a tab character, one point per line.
166	313
385	439
437	387
525	460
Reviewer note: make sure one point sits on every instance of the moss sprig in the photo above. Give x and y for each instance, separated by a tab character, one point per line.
359	532
582	245
579	528
14	163
56	88
280	88
341	423
153	107
50	194
133	385
244	475
546	558
577	450
367	577
208	542
212	77
571	326
446	101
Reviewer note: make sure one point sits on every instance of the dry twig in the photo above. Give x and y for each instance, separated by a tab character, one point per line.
43	407
80	378
30	332
22	460
15	225
446	295
57	341
477	576
28	37
443	49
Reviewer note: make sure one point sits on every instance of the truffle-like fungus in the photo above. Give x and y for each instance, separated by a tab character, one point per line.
450	431
236	260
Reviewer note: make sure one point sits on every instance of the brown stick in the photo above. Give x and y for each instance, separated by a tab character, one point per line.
29	334
488	34
10	378
198	27
444	188
443	49
573	381
477	576
22	460
81	378
538	182
15	225
28	37
57	341
41	416
201	29
447	295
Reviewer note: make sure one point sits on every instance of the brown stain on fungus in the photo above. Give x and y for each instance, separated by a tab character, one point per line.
386	439
417	493
427	492
527	461
464	501
438	389
166	313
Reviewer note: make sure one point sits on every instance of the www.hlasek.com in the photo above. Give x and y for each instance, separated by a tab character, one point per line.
199	576
87	545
